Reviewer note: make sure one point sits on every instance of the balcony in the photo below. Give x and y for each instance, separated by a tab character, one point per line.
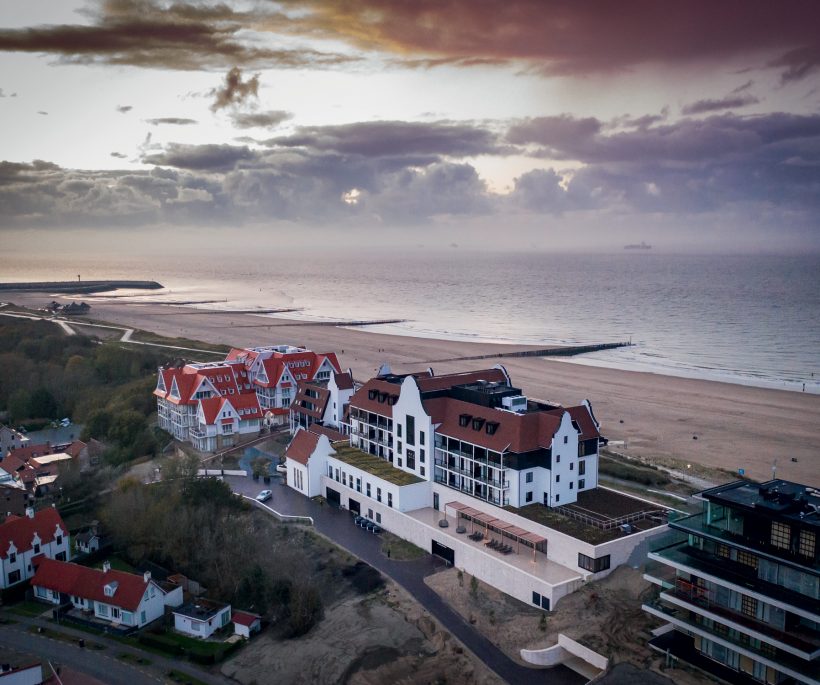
799	642
724	571
691	623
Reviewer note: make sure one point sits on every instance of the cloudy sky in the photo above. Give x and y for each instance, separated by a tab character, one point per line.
504	123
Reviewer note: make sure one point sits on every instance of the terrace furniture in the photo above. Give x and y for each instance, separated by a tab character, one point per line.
443	523
461	530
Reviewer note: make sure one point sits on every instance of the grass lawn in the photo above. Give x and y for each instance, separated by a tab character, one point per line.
33	609
57	635
193	645
134	659
184	678
400	550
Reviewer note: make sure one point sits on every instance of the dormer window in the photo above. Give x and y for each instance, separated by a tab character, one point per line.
110	588
491	427
478	422
372	394
464	420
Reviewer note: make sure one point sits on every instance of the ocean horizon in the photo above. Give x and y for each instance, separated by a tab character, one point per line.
747	319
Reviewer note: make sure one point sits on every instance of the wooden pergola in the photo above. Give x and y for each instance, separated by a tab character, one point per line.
503	527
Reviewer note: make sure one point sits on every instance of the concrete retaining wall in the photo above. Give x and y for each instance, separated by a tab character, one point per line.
563	651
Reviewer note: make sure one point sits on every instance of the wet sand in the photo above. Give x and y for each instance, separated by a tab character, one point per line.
658	416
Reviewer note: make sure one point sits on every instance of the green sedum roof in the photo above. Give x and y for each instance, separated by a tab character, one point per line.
376	466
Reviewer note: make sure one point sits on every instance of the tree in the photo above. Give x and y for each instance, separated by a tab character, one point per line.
305	608
19	404
43	405
97	425
126	428
474	587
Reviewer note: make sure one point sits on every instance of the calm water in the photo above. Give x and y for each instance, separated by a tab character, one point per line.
745	319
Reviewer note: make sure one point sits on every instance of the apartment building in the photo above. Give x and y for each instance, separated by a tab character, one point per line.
430	457
739	583
322	402
213	405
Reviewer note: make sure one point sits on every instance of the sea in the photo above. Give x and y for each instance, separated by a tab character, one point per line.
748	319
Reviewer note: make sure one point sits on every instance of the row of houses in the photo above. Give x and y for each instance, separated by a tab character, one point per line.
36	548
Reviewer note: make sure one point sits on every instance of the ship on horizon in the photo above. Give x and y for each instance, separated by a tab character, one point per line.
640	246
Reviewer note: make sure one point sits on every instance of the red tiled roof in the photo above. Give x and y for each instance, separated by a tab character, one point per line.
21	529
311	406
211	406
332	434
344	381
89	583
429	383
516	432
27	470
75	448
30	451
302	446
246	401
361	398
244	618
585	422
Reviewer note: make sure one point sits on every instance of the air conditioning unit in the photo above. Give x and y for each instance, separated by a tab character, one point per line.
516	403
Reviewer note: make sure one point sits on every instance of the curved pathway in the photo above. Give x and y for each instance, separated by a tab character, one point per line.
337	525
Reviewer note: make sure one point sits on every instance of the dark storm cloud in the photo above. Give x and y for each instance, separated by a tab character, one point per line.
124	109
148	33
570	37
728	102
799	62
173	121
235	91
395	138
200	157
268	119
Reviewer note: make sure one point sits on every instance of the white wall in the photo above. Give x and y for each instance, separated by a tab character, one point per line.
23	563
564	469
404	498
184	624
29	675
409	402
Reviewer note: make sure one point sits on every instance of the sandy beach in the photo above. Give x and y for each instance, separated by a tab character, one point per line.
658	416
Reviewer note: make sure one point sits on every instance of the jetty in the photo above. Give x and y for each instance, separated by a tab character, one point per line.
563	351
79	287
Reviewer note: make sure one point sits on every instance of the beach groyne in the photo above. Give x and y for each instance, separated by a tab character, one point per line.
79	287
565	351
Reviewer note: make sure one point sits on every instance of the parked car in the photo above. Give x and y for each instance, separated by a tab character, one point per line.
264	496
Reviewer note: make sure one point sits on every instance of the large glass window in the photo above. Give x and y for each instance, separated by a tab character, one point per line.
410	422
781	535
594	565
807	546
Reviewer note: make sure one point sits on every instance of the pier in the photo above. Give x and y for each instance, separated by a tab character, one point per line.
79	287
564	351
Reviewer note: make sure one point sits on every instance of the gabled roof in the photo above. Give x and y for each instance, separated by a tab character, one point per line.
211	407
89	583
344	381
29	451
311	399
21	530
516	432
584	421
381	404
245	618
332	434
246	401
302	446
26	470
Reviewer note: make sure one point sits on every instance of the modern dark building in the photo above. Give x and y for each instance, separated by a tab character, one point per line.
740	583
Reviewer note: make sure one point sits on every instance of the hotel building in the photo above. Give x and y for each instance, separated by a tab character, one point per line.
465	466
740	584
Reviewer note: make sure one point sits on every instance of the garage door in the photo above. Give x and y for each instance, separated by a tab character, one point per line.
445	553
333	497
354	506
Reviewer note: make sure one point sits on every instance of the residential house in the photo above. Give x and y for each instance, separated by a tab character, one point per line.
127	600
37	475
30	674
14	499
429	457
23	538
201	618
11	439
246	624
91	540
322	402
740	583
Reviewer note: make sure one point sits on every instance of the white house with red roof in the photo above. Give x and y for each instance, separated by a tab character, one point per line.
322	402
245	623
127	600
23	539
433	458
212	405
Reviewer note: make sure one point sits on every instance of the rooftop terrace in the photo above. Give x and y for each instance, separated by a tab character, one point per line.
376	466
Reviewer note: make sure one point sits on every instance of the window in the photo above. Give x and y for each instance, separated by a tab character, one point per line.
59	540
378	494
398	462
421	455
529	477
102	609
358	485
195	626
723	551
558	478
536	599
378	517
41	591
14	577
528	498
367	488
411	459
581	484
398	447
370	513
398	430
806	547
566	439
570	485
421	470
748	605
60	556
781	535
12	558
594	565
329	471
571	466
747	558
558	498
142	617
582	468
344	478
390	499
557	458
36	549
421	439
411	429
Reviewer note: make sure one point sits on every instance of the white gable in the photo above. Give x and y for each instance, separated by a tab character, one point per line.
174	390
161	383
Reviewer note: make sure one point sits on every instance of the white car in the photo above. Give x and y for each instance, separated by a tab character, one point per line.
264	496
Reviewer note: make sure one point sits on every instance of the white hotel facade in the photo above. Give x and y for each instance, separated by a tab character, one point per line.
436	459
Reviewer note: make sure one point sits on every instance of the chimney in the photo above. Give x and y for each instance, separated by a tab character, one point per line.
30	512
146	576
106	566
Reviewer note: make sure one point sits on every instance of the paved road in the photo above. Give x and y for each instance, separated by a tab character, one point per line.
338	526
102	664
